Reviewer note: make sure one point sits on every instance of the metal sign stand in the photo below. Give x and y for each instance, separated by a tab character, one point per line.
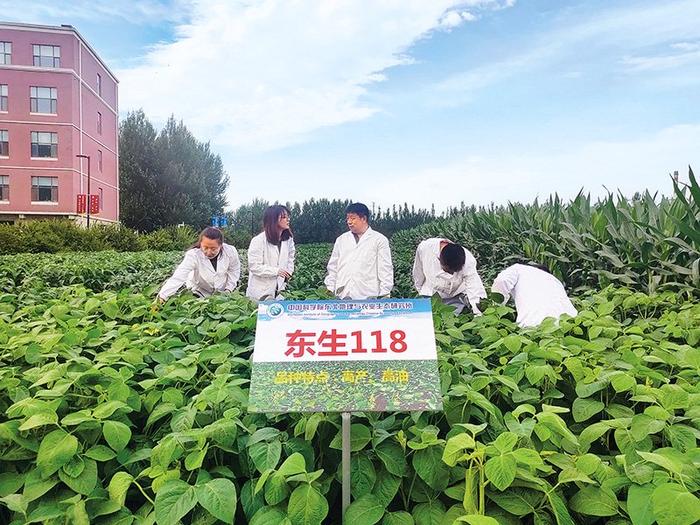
345	429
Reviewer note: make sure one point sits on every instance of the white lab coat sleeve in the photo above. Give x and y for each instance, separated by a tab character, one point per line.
418	273
332	267
179	276
233	274
385	268
290	256
256	259
505	282
474	287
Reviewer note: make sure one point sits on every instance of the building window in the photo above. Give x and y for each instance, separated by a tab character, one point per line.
99	160
101	193
46	56
44	189
3	97
4	143
6	53
44	145
99	84
4	188
43	100
99	123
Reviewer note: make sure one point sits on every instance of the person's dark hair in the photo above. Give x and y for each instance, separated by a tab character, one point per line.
452	257
212	233
271	217
358	209
528	262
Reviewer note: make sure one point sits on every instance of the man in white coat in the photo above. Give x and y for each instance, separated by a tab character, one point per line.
536	292
271	256
360	266
449	270
211	266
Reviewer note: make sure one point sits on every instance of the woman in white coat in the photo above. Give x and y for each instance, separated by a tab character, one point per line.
271	256
210	266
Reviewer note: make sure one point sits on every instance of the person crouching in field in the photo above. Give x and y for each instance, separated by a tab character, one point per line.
271	256
449	270
360	266
536	292
209	266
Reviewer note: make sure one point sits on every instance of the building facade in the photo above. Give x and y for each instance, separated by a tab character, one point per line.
58	99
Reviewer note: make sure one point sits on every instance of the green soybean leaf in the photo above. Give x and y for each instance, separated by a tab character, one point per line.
362	475
56	449
430	513
269	516
393	457
117	434
386	487
83	483
517	500
173	501
455	447
594	501
475	519
218	496
265	455
639	504
39	420
501	471
583	409
307	506
276	489
430	467
119	486
366	510
674	505
294	464
398	518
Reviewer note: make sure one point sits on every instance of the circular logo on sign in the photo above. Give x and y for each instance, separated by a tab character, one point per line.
275	310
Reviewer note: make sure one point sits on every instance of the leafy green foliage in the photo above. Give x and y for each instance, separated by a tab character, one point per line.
115	413
174	159
52	236
645	242
142	271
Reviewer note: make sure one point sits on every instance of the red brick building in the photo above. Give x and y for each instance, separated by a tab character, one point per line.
58	99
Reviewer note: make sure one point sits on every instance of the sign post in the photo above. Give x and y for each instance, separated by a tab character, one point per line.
345	356
88	210
346	461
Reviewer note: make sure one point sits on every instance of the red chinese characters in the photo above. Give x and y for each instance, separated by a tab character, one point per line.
332	343
300	343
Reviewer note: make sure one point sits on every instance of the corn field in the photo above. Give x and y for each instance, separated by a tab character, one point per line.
646	242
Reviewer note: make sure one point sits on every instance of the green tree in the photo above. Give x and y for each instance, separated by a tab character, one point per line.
167	178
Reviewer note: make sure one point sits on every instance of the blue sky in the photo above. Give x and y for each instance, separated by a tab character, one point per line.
436	101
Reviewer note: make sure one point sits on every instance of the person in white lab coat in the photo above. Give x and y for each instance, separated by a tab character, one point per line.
536	292
271	256
210	266
449	270
360	266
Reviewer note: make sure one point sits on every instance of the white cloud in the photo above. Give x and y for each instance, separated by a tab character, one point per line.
686	46
629	166
686	54
265	74
620	31
452	19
